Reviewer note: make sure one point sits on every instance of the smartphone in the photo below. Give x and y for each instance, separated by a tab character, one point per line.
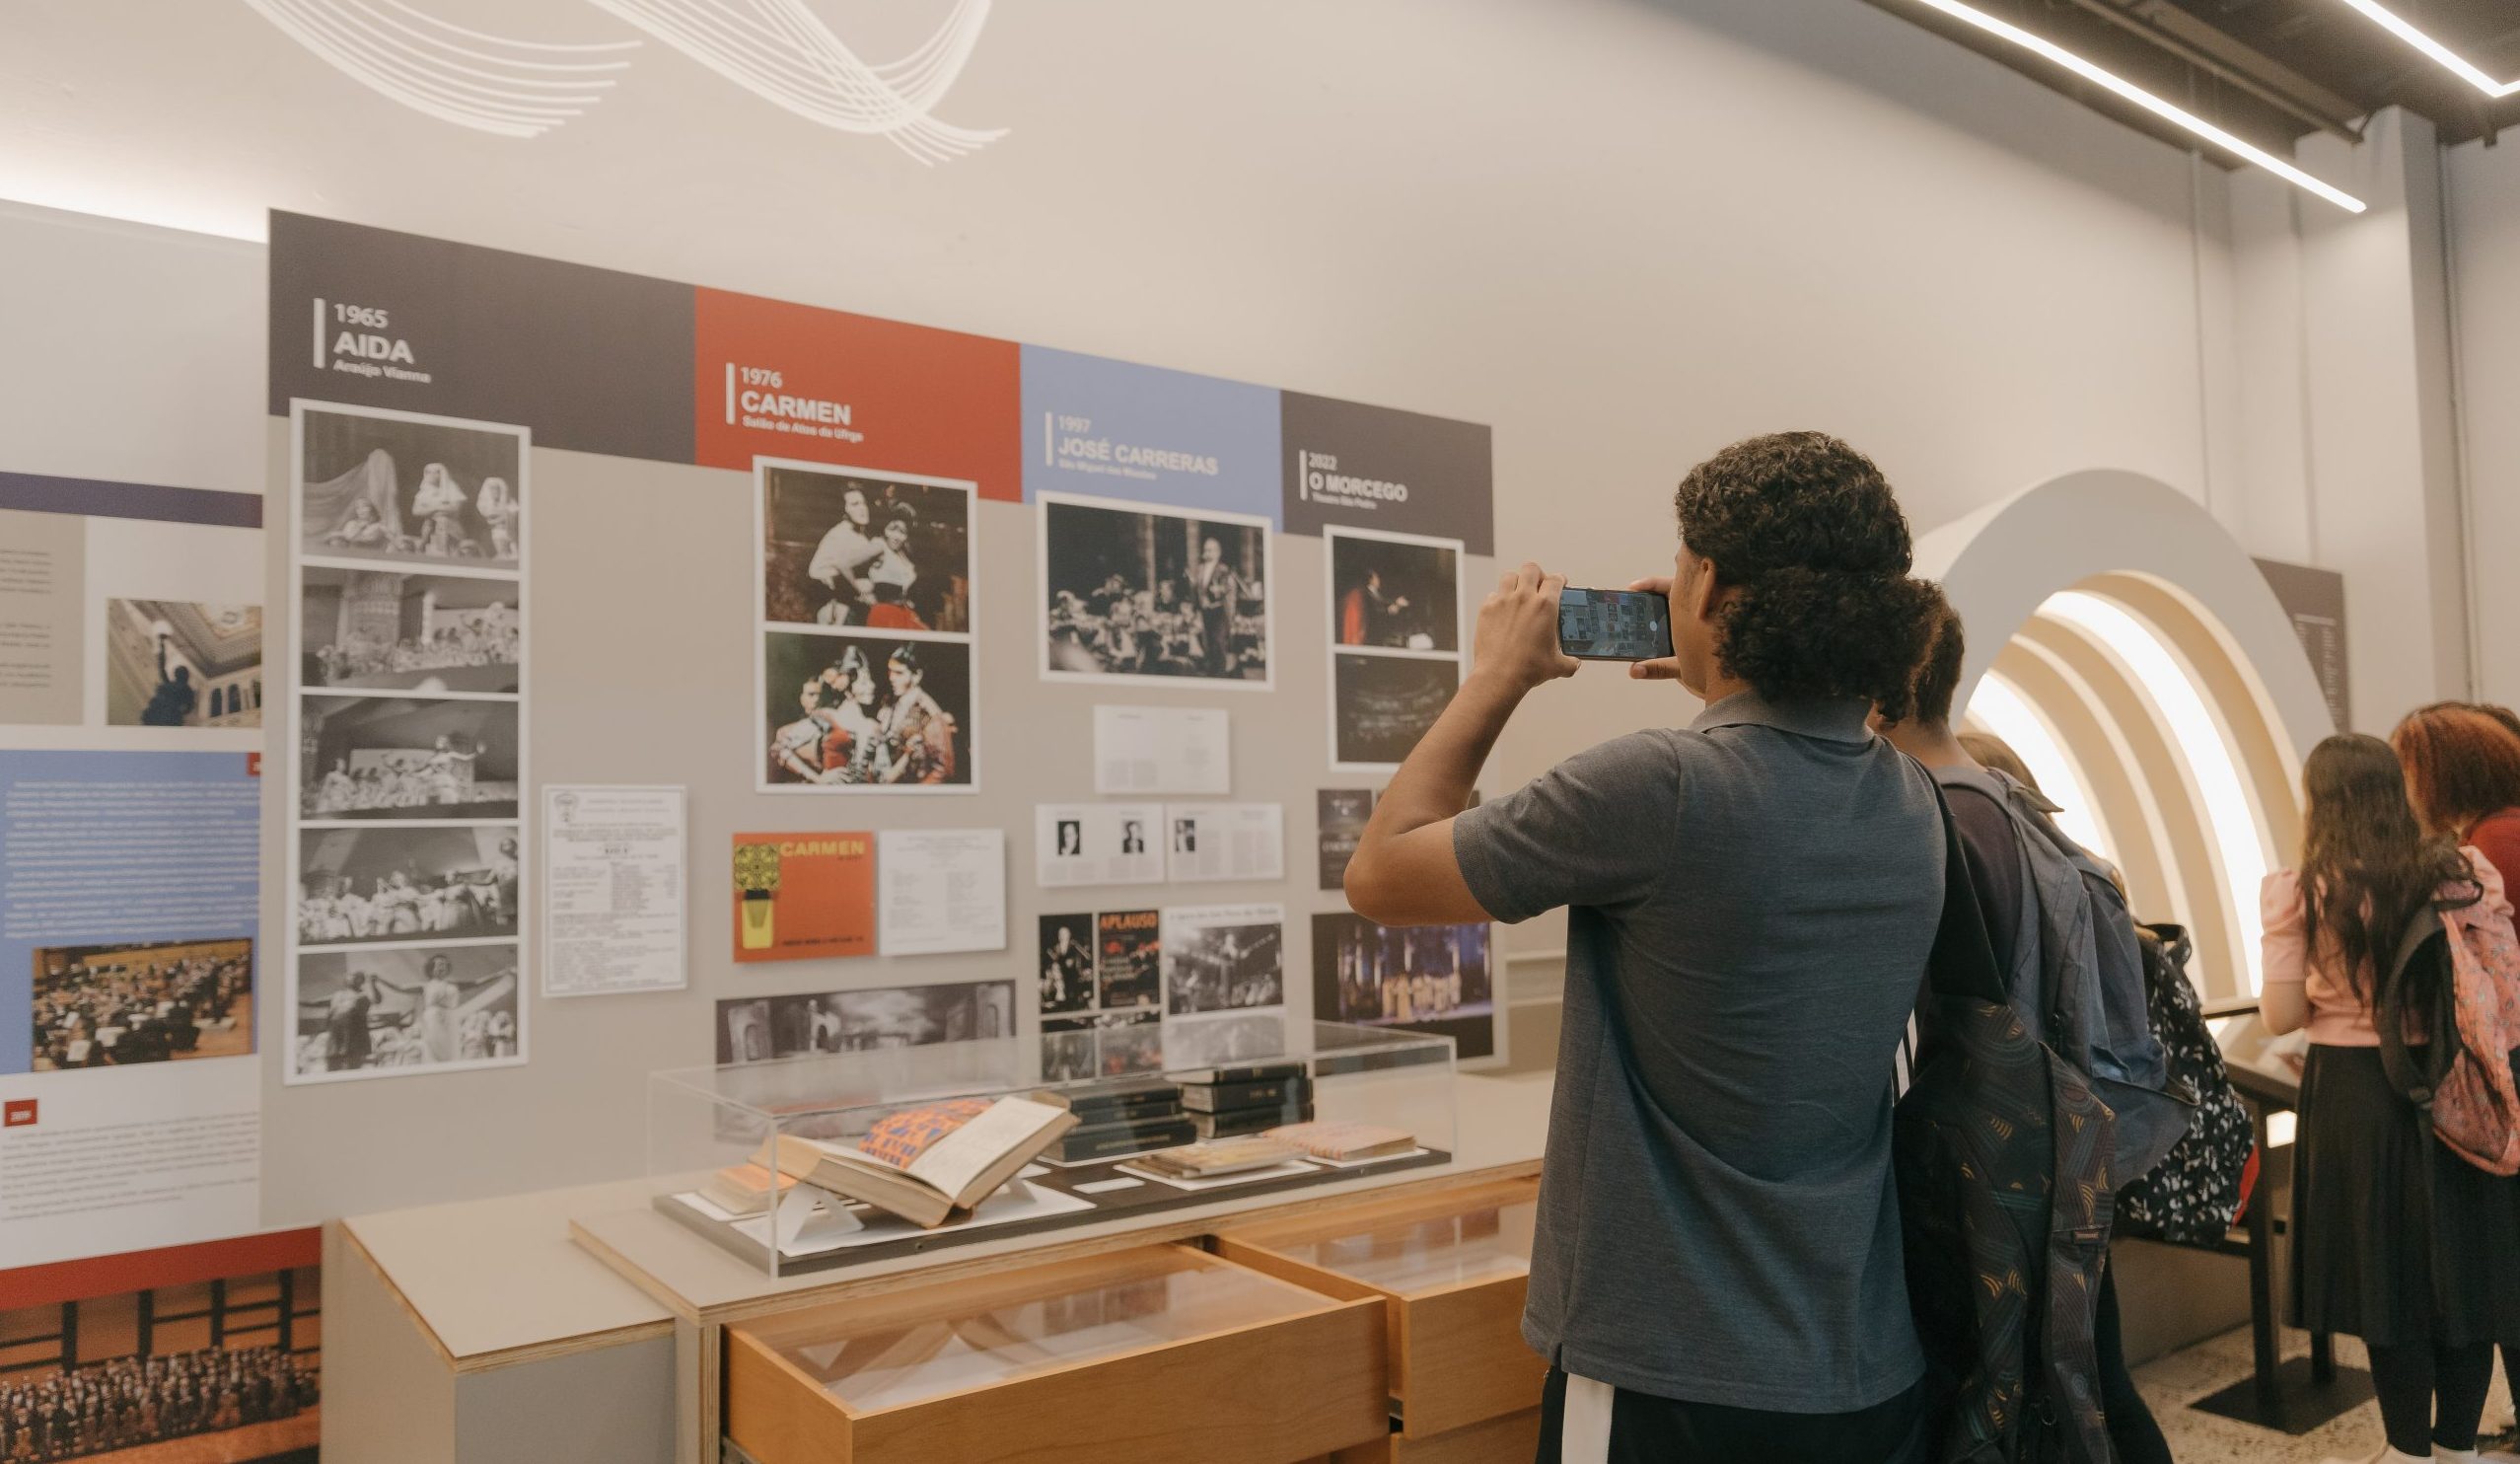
1614	625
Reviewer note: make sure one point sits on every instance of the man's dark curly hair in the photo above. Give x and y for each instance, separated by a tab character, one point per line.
1806	533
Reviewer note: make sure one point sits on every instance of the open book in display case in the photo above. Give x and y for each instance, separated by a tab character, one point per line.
830	1159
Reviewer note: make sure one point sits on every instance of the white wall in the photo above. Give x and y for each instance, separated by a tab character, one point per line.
2484	188
1622	232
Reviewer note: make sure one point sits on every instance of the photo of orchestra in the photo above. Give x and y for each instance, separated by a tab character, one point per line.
1141	592
1394	594
380	487
395	758
858	549
866	711
101	1409
405	1009
1381	705
357	886
176	663
1425	979
1219	958
115	1006
393	630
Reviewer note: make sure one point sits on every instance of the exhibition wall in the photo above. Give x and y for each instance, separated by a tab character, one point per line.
1616	243
2484	187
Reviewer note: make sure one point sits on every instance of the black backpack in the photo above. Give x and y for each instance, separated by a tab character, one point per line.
2192	1196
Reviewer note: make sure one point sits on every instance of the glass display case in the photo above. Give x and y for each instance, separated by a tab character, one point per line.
770	1159
1160	1352
1451	1270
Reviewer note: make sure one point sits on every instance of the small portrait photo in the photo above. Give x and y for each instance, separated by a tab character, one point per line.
866	712
1067	963
1394	593
1185	835
1132	836
115	1006
1128	968
1434	978
1223	958
403	758
173	663
390	629
381	486
1381	705
1071	839
877	549
357	886
397	1012
1140	593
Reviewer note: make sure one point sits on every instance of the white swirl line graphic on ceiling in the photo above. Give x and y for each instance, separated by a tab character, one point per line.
782	52
779	51
488	83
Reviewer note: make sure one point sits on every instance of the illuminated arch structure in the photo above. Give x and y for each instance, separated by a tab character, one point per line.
2127	646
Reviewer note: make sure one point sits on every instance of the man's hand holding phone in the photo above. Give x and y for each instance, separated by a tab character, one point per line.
1661	667
1516	644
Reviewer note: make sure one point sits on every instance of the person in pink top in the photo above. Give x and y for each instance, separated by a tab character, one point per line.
2429	1286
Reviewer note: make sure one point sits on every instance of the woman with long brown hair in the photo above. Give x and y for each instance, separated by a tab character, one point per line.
2422	1282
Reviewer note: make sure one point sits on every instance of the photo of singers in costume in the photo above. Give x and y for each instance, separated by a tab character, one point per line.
407	1009
1135	592
870	549
866	711
1394	594
395	758
1223	957
389	630
115	1006
385	883
1434	978
385	488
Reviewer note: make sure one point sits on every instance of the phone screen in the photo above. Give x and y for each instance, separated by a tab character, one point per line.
1614	625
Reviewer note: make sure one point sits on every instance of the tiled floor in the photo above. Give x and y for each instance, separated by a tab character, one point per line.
2172	1383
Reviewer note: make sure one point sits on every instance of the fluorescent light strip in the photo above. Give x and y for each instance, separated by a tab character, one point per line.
2457	64
1999	709
2041	46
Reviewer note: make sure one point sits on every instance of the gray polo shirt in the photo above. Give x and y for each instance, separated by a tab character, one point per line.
1751	904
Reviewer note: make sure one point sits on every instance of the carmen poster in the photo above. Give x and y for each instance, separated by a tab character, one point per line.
802	897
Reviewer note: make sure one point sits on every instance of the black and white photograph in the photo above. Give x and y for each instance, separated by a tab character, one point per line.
866	711
387	485
1432	979
1129	959
392	629
1107	1044
1381	705
1391	592
757	1029
1098	844
1143	594
1067	963
428	882
401	758
162	1001
400	1012
1340	816
1228	841
875	550
1223	958
177	663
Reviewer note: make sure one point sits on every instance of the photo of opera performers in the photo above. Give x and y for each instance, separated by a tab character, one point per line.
387	630
1128	961
222	1370
1381	705
115	1006
866	711
357	886
1101	1044
758	1029
859	548
1394	593
397	1012
378	487
1067	963
173	663
401	758
1135	592
1221	958
1433	979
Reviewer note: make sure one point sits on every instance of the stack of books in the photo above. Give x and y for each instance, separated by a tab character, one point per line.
1227	1101
1128	1115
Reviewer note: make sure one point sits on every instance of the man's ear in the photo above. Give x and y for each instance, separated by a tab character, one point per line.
1703	592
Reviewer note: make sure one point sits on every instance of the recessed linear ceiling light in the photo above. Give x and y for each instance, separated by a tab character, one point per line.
2168	112
2458	65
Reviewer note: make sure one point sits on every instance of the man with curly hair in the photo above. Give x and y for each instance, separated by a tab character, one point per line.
1751	903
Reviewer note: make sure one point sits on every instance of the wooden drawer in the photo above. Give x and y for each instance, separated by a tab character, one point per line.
1511	1439
1160	1354
1451	1270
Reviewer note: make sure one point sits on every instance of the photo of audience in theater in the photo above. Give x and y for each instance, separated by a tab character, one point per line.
859	548
1433	979
401	758
378	487
391	630
1140	592
1381	705
116	1005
